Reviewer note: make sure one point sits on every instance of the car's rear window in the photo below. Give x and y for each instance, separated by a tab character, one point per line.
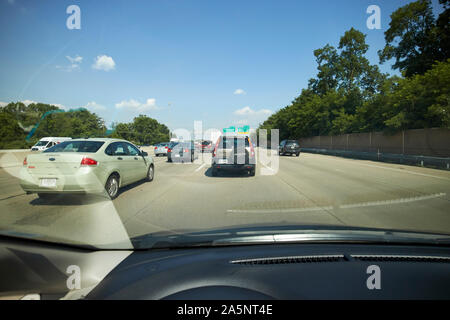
185	145
292	142
77	146
228	142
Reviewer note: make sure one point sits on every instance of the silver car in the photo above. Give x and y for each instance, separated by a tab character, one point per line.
85	166
161	149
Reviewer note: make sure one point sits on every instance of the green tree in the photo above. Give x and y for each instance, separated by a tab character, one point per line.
143	130
414	39
345	82
443	30
422	101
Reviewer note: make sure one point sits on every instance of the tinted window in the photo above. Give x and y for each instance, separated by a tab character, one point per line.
77	146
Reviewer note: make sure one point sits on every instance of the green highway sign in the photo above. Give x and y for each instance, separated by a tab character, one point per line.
239	130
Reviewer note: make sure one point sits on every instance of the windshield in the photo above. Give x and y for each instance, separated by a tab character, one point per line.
41	143
201	118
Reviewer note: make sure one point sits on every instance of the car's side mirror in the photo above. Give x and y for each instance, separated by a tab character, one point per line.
144	154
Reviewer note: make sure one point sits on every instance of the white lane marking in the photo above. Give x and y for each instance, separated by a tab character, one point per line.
406	171
198	169
393	169
288	210
395	201
343	206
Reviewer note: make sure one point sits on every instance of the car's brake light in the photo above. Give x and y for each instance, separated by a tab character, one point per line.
166	147
252	151
215	148
169	150
186	150
88	162
156	148
25	161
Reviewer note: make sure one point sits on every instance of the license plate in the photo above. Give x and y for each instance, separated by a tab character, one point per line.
177	156
222	161
292	147
48	183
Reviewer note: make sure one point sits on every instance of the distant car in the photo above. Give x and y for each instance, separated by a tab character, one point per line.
234	153
206	146
289	147
181	152
85	166
161	149
48	142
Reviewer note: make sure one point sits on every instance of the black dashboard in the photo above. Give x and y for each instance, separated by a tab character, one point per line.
318	271
281	271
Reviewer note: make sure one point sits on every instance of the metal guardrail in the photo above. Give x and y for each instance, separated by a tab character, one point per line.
422	161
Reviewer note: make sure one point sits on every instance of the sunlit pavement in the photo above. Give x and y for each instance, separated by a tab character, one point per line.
310	189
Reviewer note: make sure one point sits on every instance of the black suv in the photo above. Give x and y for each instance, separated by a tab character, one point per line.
233	153
289	147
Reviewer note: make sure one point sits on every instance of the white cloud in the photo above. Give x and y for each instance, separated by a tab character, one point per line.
28	102
150	104
104	63
239	91
251	117
77	59
74	64
94	106
60	106
240	122
247	111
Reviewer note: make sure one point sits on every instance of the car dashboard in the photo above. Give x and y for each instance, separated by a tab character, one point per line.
275	271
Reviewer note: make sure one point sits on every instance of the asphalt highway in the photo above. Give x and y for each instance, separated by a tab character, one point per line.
311	189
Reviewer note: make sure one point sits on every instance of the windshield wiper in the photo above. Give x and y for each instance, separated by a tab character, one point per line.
333	237
272	235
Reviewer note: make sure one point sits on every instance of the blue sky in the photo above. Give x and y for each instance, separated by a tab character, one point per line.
222	62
